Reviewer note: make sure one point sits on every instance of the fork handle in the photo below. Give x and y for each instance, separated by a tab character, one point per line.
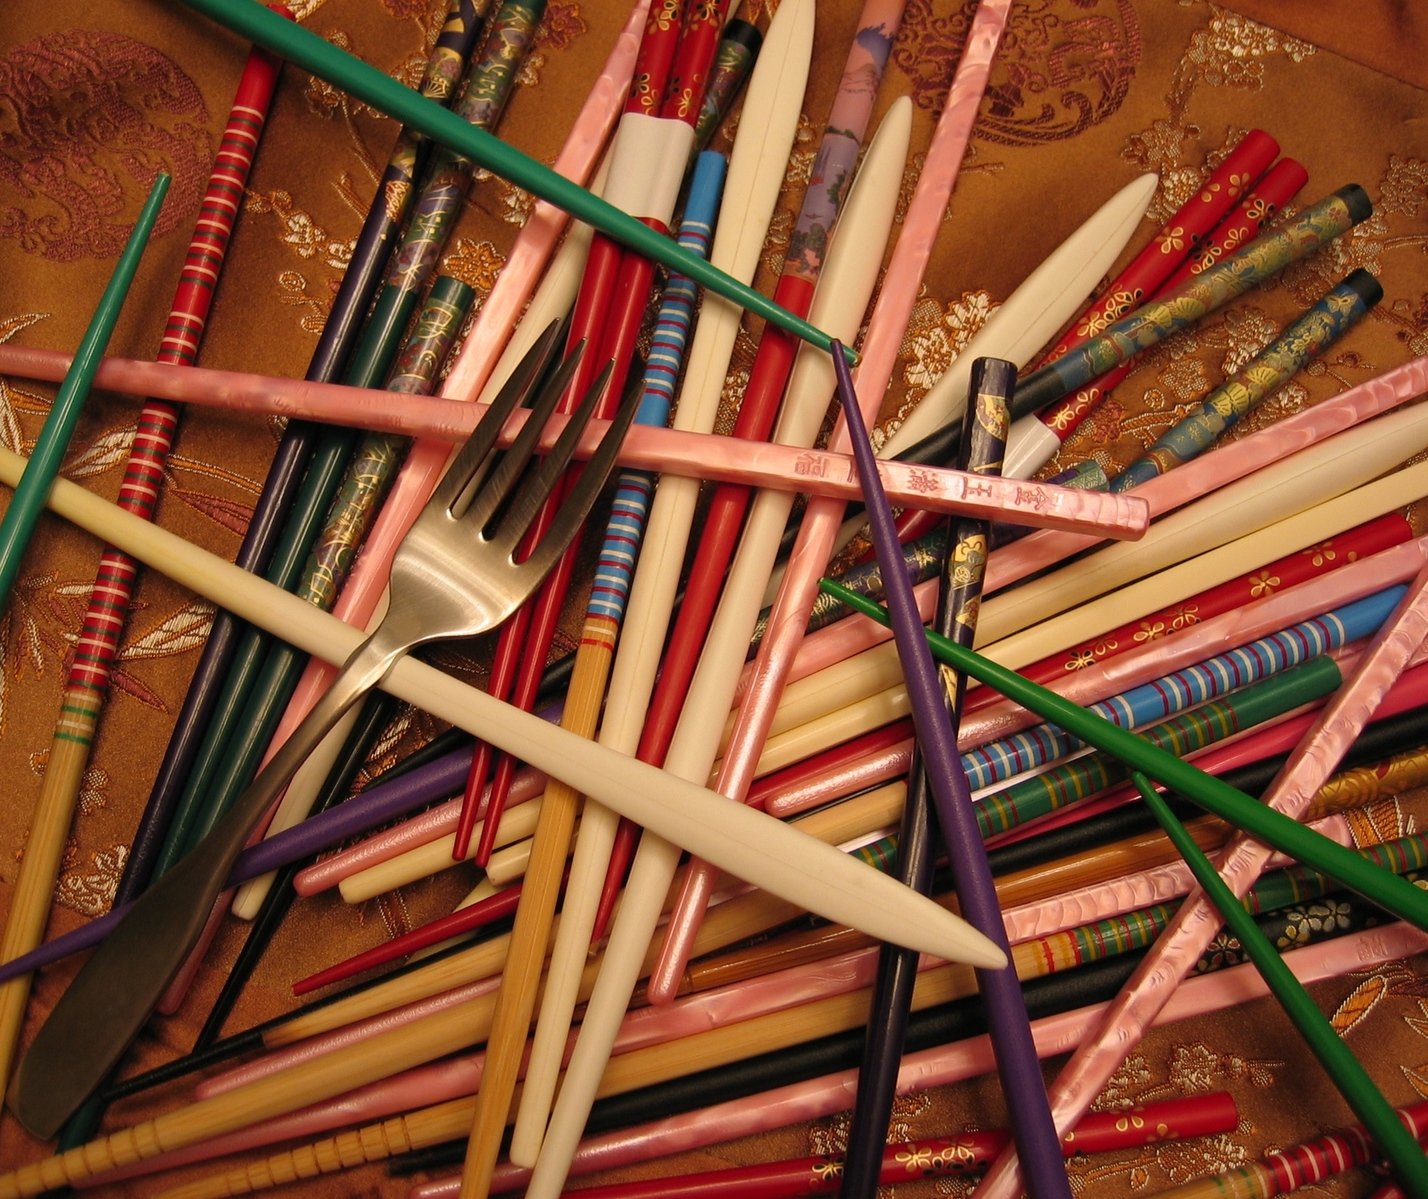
367	666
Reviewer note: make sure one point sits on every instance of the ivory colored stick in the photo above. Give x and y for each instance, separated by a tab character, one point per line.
755	176
743	840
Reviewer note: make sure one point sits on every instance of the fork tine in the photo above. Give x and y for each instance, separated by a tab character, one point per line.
544	480
474	458
480	507
576	504
542	484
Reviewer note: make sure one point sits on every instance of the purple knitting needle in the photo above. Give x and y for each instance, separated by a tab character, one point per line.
1017	1063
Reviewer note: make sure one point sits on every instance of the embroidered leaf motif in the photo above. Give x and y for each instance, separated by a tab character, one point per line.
225	513
184	630
109	451
10	433
1417	1079
1419	1024
1360	1002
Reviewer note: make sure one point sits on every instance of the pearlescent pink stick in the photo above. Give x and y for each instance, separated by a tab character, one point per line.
422	829
886	326
821	1097
342	1039
640	1028
1197	921
1007	564
646	447
1116	897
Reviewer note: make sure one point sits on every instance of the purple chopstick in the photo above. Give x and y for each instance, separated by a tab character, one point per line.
1017	1063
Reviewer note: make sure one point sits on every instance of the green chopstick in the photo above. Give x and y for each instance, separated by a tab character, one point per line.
18	524
1352	1080
305	49
1388	890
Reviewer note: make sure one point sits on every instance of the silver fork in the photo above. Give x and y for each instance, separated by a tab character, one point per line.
454	575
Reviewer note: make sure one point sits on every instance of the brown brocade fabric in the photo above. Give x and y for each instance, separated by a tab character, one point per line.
1085	95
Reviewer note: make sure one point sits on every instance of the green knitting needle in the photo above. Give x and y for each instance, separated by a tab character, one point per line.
1338	1060
23	513
1305	845
305	49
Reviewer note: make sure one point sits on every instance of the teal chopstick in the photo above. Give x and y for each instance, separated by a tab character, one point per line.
1352	1080
1305	845
18	524
305	49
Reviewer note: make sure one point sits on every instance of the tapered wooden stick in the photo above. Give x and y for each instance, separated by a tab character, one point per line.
79	711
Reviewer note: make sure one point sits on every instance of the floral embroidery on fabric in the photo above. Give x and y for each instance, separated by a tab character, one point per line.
1056	76
936	336
1232	51
91	892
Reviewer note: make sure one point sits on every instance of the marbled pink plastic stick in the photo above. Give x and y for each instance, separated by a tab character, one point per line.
646	447
1117	896
1010	563
821	519
343	1039
1197	922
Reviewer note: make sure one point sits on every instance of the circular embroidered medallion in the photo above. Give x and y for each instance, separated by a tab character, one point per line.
87	120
